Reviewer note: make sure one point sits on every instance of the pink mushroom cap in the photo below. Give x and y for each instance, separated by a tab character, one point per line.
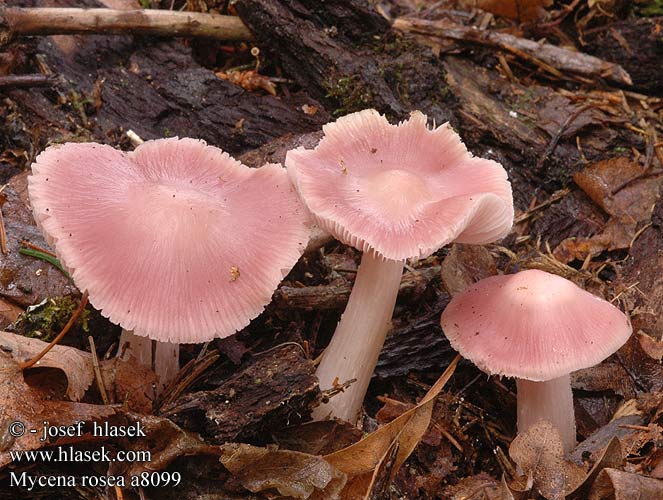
533	325
176	240
403	190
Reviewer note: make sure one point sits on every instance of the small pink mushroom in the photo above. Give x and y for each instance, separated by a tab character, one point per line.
537	327
394	192
175	241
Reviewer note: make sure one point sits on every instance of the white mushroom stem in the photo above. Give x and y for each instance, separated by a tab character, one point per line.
165	361
140	348
354	349
551	400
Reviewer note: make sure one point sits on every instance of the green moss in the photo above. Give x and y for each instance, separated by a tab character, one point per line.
47	319
650	9
350	94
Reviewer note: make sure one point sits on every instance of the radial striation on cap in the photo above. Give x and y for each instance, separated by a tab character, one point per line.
176	240
533	325
402	190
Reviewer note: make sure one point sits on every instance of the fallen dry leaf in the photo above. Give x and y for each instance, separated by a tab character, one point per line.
291	473
523	10
465	265
77	365
165	440
613	484
21	403
365	457
478	487
8	313
610	457
129	383
318	438
540	455
653	347
620	187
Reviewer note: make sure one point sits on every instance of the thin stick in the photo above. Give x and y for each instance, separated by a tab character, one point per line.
179	385
57	21
549	57
22	81
555	197
97	372
38	248
3	235
555	139
27	364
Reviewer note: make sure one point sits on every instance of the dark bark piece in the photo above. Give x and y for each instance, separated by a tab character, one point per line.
416	344
186	99
326	297
342	51
275	389
637	45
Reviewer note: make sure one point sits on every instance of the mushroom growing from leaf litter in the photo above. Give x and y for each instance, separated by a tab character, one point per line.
395	192
537	327
175	241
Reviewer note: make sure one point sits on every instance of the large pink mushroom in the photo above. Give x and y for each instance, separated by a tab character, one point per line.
537	327
395	192
175	241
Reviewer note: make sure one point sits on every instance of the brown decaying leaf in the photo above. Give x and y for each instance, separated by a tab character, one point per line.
318	438
8	313
291	473
619	188
76	365
540	455
613	484
366	457
653	347
610	457
22	403
478	487
522	10
166	442
129	383
465	265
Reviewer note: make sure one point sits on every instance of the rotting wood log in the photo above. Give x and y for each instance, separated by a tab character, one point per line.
549	56
416	344
636	44
345	54
165	93
59	21
330	297
276	388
